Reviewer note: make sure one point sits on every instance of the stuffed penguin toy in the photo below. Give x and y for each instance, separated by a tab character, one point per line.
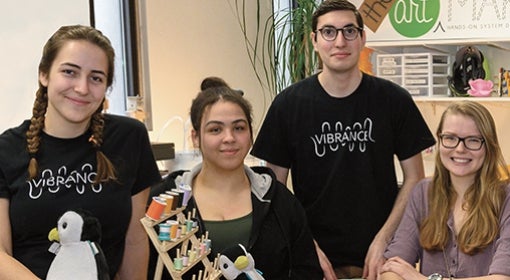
78	256
236	263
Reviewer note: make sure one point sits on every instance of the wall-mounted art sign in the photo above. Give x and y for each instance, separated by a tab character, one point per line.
398	20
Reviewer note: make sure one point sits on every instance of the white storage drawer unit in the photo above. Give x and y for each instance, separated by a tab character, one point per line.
422	74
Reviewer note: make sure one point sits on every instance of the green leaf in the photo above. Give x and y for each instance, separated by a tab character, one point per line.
282	52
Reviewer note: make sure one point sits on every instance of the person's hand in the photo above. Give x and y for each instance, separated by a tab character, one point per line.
402	268
327	268
374	259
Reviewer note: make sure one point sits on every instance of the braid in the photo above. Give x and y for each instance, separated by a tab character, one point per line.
105	169
34	131
50	51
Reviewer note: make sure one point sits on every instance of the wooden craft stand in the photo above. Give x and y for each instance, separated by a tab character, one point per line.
210	272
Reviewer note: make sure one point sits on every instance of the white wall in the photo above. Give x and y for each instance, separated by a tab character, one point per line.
187	41
26	25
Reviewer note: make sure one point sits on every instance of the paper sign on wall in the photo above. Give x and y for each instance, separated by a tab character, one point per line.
373	12
436	19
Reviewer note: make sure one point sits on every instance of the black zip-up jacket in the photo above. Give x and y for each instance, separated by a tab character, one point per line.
280	241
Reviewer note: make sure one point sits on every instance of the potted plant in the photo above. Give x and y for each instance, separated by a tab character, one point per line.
282	52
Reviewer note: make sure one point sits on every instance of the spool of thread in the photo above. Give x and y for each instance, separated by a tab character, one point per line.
174	225
202	248
178	264
193	215
178	234
189	225
192	255
169	201
178	260
184	229
156	208
207	243
175	201
187	194
181	196
164	232
185	260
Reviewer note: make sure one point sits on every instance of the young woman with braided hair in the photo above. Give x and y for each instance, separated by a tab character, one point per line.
71	155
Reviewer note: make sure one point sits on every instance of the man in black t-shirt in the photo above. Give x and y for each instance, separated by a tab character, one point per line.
338	131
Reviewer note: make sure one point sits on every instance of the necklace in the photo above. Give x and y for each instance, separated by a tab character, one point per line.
447	265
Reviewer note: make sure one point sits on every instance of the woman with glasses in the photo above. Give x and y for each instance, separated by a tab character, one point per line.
457	223
339	131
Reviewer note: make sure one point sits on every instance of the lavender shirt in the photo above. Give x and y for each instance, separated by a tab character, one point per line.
495	259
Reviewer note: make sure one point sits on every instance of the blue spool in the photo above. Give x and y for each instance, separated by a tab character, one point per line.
164	232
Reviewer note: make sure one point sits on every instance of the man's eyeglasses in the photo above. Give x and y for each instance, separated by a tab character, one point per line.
329	33
472	143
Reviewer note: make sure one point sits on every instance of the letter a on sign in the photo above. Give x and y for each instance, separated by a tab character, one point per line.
373	12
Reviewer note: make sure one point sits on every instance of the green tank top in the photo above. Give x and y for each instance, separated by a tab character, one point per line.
224	234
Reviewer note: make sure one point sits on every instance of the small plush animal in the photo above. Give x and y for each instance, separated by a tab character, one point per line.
78	256
236	263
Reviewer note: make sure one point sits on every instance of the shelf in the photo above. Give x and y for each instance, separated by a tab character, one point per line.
443	46
167	245
422	74
504	99
164	217
211	270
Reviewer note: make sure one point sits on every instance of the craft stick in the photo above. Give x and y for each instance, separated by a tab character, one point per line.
215	264
185	247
